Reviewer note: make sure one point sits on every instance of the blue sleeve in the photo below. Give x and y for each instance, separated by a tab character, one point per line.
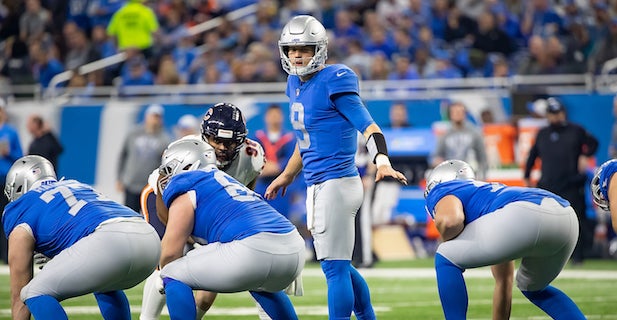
177	186
341	79
350	105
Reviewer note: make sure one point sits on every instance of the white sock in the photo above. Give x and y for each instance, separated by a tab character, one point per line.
152	301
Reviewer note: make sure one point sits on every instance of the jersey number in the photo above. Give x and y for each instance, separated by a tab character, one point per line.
236	190
297	121
70	199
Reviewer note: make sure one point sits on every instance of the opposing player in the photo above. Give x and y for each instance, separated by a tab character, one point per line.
326	112
604	188
247	245
484	224
224	128
95	245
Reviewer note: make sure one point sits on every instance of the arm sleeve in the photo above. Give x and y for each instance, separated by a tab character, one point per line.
351	107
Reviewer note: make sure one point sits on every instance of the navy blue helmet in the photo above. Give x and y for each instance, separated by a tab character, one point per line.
224	124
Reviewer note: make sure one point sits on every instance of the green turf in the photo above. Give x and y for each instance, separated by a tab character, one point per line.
393	298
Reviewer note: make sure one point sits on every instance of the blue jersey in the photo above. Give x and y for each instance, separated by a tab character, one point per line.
225	210
480	198
607	171
326	132
60	213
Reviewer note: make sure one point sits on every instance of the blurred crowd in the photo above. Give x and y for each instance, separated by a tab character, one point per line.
381	40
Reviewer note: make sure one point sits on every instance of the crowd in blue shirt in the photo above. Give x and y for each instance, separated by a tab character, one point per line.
380	40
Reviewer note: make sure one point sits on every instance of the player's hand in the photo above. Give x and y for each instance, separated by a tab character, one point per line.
280	183
158	284
40	260
387	171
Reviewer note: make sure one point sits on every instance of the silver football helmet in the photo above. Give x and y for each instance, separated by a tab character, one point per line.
598	197
182	156
25	173
304	30
447	171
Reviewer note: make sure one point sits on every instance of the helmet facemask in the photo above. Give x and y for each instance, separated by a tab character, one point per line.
596	192
300	31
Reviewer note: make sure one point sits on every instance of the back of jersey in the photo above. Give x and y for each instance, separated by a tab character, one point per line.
225	210
60	213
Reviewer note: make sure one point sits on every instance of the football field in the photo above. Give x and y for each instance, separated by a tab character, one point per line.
400	290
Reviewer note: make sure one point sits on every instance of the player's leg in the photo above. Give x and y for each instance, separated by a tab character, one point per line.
77	271
276	304
262	262
113	305
331	210
203	301
152	300
451	287
45	307
502	294
556	242
363	309
494	238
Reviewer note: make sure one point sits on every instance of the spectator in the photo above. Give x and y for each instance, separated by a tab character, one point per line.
606	49
44	65
167	72
539	60
44	142
141	153
136	73
403	69
80	51
101	11
34	22
278	145
612	147
539	19
10	150
134	26
187	125
462	141
490	38
564	149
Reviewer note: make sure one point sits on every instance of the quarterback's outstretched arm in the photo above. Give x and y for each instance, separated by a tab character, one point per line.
294	166
375	139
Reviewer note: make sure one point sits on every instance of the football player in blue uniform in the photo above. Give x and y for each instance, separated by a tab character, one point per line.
604	188
224	128
96	245
247	245
326	112
484	224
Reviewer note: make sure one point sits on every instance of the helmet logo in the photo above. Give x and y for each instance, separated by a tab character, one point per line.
225	134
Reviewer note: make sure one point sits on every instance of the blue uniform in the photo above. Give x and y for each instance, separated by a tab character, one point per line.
250	246
60	213
96	245
502	224
215	219
480	198
326	132
608	169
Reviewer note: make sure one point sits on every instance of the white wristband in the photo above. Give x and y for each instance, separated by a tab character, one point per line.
381	160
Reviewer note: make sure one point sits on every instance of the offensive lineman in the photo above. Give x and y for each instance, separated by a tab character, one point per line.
485	224
95	244
223	127
247	245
